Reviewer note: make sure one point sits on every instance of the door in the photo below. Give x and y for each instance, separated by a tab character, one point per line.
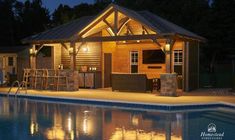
107	69
134	56
178	66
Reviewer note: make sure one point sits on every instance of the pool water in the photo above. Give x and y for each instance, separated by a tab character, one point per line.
25	119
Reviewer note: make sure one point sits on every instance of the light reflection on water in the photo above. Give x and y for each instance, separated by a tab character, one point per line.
27	119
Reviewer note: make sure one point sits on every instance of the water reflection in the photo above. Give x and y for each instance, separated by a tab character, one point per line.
26	119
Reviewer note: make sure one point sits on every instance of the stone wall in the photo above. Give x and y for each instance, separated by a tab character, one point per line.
168	84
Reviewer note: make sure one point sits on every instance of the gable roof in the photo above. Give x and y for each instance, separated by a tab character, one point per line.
66	31
166	26
61	32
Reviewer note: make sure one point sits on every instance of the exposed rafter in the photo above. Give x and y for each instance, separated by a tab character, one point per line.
95	23
109	26
126	20
145	30
129	29
115	22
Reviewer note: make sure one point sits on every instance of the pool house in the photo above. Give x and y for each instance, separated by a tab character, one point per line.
119	48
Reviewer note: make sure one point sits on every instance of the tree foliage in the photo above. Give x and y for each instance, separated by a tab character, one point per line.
19	20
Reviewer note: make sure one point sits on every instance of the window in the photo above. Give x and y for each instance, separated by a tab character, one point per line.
178	61
10	61
134	61
134	58
178	57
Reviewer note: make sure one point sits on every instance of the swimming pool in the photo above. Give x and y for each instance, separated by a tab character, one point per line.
28	119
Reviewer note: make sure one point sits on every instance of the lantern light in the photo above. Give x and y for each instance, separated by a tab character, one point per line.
70	50
167	47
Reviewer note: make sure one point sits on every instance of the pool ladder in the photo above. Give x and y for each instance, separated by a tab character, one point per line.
21	85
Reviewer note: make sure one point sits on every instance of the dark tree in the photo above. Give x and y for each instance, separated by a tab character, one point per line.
7	29
62	15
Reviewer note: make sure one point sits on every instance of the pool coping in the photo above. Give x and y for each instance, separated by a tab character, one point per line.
126	104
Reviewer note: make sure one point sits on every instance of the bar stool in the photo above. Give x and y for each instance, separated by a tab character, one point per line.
32	78
38	81
62	80
26	76
50	78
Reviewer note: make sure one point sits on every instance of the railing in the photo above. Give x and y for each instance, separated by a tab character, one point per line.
22	85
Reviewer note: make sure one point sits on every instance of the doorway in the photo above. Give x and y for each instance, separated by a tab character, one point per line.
134	61
107	69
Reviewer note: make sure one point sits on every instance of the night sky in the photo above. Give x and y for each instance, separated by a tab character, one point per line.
53	4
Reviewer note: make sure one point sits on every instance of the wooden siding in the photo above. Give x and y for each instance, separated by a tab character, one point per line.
191	66
90	58
22	63
121	57
56	55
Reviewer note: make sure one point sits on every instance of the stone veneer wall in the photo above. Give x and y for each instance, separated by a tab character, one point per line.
168	84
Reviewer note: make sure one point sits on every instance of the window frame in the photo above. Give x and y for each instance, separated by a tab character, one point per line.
177	57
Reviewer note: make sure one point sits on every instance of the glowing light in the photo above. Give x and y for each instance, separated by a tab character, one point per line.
30	51
138	41
135	120
33	128
85	49
69	124
124	41
70	50
167	47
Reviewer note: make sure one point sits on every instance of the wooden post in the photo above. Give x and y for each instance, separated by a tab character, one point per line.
168	62
32	52
115	22
171	43
72	53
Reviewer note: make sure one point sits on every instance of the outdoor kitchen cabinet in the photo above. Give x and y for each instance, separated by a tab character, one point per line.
90	79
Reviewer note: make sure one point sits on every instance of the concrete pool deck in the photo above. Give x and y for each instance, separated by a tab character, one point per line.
201	96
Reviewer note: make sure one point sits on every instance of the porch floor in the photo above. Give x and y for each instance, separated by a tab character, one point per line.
194	97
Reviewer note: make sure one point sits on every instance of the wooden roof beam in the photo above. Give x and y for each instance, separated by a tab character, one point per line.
95	23
144	30
79	47
110	26
120	38
64	45
115	22
126	20
129	29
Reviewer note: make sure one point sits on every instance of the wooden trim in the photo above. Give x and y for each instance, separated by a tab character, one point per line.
41	46
120	38
198	61
157	43
186	66
64	45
